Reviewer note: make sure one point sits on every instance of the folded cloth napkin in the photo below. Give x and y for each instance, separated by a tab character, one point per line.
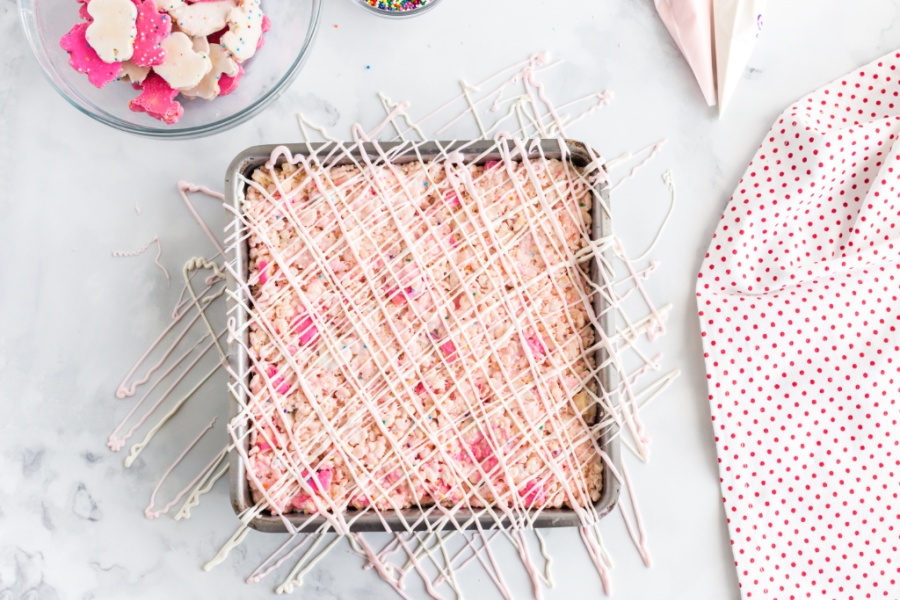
799	303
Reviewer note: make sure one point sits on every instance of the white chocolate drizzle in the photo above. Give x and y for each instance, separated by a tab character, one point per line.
510	105
150	244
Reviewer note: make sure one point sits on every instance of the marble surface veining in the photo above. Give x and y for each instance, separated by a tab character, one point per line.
73	319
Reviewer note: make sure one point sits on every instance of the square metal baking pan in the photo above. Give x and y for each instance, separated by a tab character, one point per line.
477	152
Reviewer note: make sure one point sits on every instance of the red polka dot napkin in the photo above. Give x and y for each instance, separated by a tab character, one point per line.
798	302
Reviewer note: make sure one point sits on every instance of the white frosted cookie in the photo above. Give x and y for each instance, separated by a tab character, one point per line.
132	73
245	28
112	32
201	45
222	64
202	18
168	5
183	68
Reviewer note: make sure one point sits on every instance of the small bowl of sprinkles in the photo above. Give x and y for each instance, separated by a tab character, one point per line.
398	8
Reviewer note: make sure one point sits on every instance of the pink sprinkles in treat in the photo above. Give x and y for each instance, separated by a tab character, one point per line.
305	329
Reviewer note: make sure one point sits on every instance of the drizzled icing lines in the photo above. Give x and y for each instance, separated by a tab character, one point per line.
189	354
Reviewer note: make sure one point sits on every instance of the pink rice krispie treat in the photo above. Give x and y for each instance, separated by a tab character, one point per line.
420	335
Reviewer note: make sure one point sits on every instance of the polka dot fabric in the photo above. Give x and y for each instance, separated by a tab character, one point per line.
799	301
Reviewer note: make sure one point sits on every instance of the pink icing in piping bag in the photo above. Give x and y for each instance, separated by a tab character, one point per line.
690	24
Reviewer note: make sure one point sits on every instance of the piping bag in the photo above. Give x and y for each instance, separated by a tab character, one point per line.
690	23
738	24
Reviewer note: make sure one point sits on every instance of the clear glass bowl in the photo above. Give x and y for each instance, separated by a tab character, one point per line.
268	73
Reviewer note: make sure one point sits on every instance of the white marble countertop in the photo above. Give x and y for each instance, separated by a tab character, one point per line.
72	319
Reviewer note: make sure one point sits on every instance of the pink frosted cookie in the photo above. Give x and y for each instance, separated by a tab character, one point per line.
157	99
83	11
84	59
229	84
152	28
266	25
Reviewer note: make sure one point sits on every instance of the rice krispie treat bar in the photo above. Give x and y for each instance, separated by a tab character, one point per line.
421	334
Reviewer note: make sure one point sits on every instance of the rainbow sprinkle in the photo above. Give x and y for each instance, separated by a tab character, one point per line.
397	5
